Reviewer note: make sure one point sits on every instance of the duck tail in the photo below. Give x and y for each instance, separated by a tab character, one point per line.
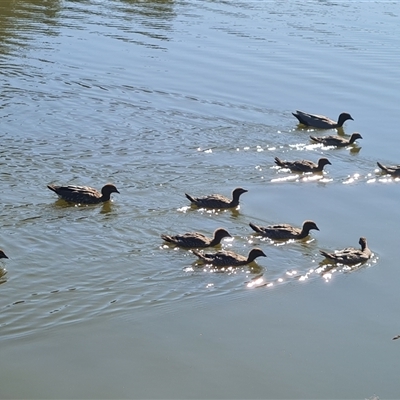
255	227
167	238
299	118
325	254
52	187
314	138
189	197
198	254
278	161
382	167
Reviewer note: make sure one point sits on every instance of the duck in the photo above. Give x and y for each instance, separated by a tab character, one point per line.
320	121
217	200
350	255
337	141
285	231
2	254
229	258
196	239
390	169
303	165
84	194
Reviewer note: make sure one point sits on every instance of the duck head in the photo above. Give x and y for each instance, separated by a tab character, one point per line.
343	117
354	137
322	162
363	243
309	225
238	192
221	233
254	253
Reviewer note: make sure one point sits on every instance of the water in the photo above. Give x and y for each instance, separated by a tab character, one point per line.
167	97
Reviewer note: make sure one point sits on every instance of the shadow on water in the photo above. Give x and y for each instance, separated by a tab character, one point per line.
141	19
19	18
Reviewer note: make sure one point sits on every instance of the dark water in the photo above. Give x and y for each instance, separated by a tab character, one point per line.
167	97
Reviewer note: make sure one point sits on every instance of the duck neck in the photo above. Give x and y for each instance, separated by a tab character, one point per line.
215	241
251	257
304	232
235	199
105	197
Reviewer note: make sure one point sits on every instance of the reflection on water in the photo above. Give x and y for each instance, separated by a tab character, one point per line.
252	269
302	178
149	11
3	277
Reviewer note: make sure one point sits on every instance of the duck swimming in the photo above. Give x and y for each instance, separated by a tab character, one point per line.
229	258
84	194
390	169
350	255
320	121
196	239
285	231
303	165
337	141
217	200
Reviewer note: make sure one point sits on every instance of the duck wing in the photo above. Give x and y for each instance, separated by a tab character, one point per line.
300	165
223	258
331	140
282	231
279	231
348	255
190	239
77	194
303	166
314	120
213	201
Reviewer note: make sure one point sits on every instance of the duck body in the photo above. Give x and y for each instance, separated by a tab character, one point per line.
320	121
84	194
285	231
303	165
2	254
337	141
350	255
196	239
217	200
392	169
229	258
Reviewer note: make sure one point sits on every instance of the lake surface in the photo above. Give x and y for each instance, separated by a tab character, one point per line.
164	98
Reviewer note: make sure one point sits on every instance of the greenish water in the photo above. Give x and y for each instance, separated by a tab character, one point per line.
167	97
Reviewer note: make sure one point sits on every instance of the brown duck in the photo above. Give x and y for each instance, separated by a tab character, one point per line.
229	258
2	254
390	169
84	194
303	165
320	121
196	239
350	255
285	231
337	141
217	200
